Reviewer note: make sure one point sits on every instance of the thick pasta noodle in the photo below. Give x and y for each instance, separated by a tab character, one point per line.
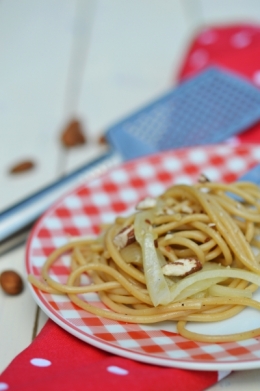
189	255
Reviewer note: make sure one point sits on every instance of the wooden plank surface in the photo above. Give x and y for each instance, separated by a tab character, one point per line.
97	61
229	11
131	61
36	39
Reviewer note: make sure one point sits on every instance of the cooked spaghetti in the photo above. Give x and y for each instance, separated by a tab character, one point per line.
188	255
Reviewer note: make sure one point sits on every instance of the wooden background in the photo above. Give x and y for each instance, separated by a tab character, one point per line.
97	61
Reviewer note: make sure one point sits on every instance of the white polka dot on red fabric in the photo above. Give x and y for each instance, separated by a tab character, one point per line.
208	37
256	78
117	370
240	39
40	362
3	386
199	58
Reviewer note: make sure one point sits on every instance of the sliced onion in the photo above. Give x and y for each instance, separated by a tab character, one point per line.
132	254
155	281
198	287
159	290
221	272
226	291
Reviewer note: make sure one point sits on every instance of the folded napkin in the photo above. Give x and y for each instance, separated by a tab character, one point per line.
57	360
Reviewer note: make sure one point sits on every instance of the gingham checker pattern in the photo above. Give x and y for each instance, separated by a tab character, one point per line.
82	211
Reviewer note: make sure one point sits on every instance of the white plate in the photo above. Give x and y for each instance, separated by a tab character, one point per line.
117	192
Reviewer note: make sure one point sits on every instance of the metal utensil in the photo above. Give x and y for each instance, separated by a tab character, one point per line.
206	109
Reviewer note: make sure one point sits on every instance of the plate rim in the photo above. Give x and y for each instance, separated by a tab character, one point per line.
93	340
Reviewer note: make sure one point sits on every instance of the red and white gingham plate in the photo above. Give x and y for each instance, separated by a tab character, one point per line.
83	210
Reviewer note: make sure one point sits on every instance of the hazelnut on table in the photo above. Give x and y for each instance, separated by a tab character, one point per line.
11	282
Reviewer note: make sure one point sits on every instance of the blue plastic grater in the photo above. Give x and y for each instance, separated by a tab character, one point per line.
207	109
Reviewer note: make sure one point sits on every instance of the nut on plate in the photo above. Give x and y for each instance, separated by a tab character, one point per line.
125	237
182	267
11	282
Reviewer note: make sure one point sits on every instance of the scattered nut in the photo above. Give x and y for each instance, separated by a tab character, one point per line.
146	203
11	282
102	140
182	267
124	237
25	165
73	135
203	178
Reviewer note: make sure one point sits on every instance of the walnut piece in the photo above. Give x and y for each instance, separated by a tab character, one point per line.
203	178
182	267
73	134
124	237
22	166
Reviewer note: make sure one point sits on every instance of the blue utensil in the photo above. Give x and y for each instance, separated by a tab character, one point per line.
206	109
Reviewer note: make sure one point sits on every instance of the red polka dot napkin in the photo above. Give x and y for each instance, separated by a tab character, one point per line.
57	360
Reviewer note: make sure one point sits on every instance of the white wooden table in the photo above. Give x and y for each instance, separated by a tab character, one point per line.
96	60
